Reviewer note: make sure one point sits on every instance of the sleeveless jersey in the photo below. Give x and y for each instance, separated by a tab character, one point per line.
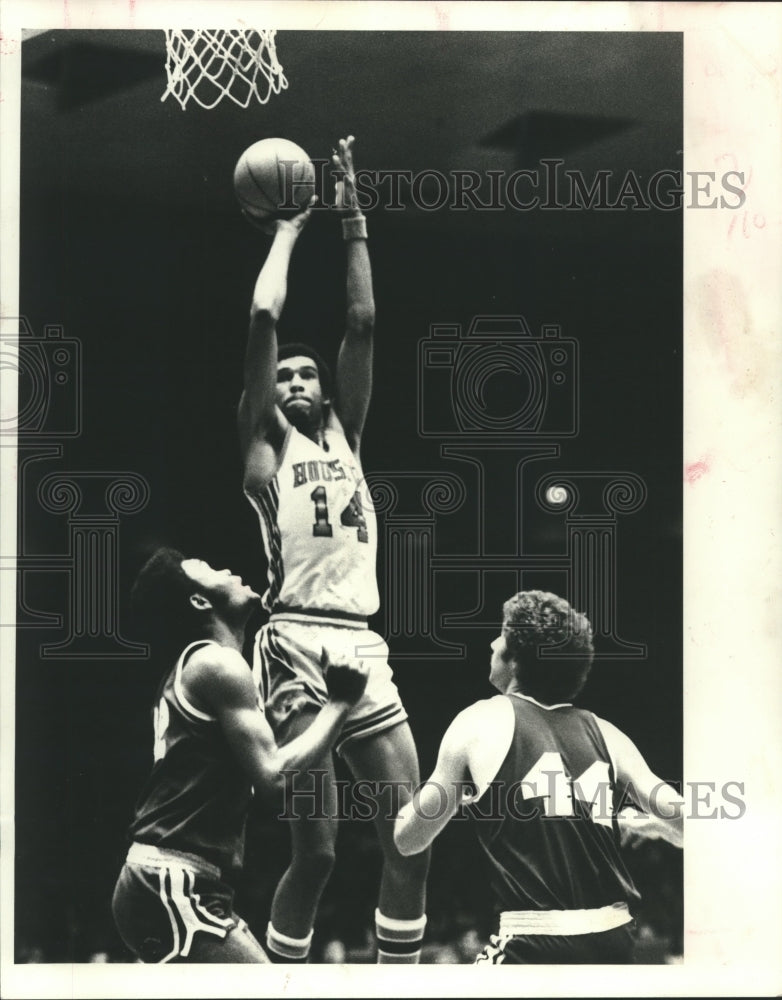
546	821
319	529
197	795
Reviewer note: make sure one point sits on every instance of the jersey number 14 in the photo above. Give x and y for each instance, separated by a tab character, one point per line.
352	516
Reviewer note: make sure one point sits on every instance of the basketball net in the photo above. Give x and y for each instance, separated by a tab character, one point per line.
208	65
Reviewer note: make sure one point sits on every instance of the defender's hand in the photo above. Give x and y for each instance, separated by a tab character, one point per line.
286	702
345	682
342	160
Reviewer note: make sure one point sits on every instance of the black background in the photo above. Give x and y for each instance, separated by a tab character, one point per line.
157	288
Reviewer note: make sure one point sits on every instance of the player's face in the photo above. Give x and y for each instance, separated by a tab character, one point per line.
299	392
222	587
501	672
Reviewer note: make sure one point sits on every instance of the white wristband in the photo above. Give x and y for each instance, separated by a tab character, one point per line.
354	228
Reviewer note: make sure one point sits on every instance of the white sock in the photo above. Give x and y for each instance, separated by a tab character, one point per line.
287	949
399	941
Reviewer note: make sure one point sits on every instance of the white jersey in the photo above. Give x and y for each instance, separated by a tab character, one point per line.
319	530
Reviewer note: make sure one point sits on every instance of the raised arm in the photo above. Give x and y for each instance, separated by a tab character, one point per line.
660	804
262	427
354	362
220	681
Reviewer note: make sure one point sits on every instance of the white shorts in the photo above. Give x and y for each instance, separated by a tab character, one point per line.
286	667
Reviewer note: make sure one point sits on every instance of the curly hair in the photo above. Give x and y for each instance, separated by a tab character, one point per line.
535	618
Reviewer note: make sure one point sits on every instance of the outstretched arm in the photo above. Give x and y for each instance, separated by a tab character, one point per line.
660	804
221	682
354	362
436	800
261	425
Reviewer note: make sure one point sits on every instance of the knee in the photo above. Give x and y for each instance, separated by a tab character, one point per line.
315	864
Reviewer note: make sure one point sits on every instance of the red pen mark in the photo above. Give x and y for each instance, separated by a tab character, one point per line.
734	160
723	313
694	470
726	320
758	221
8	46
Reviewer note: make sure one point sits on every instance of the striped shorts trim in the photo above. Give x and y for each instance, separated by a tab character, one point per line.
494	952
186	913
369	725
164	898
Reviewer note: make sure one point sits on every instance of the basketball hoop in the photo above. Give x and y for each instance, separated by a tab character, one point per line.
208	65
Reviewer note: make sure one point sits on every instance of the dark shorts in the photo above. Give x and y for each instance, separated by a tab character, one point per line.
172	907
614	947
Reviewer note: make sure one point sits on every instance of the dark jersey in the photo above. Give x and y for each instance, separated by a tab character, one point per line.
546	822
197	796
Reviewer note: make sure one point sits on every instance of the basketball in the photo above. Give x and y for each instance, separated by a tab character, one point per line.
272	178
